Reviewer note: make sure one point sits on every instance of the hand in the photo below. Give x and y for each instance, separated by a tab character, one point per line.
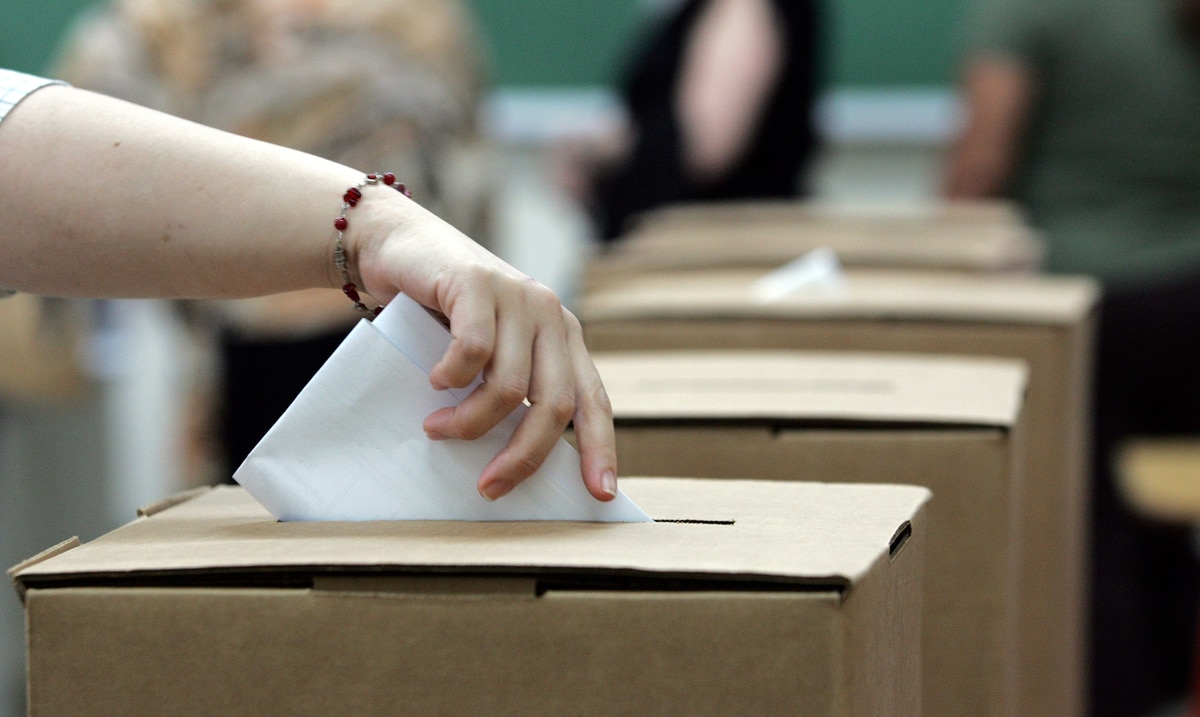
506	326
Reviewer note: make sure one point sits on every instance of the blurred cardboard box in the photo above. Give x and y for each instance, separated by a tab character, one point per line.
1047	322
748	598
1160	477
959	237
988	212
949	424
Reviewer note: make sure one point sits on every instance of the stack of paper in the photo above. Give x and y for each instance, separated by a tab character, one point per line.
352	446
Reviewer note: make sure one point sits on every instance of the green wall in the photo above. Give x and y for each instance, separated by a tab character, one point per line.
29	30
893	43
557	42
872	43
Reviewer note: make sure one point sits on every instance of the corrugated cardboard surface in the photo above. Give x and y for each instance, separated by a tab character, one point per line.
1045	322
950	424
807	603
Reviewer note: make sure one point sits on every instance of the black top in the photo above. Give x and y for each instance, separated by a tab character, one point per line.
773	162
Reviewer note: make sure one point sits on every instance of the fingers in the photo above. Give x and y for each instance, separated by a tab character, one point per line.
593	418
551	406
506	371
473	325
507	327
538	355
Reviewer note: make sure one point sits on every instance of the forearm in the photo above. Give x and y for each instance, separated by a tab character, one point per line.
104	198
732	60
998	96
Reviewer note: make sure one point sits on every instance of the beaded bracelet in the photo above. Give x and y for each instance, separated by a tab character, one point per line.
349	200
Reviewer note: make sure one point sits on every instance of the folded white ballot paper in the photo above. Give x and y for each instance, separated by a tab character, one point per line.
351	446
817	272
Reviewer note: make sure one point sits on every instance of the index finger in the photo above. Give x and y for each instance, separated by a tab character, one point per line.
593	419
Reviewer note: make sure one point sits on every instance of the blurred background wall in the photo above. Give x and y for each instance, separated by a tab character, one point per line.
875	43
883	55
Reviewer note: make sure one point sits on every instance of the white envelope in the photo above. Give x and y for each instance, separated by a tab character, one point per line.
352	447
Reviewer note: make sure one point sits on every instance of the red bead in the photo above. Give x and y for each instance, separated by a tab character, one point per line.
350	199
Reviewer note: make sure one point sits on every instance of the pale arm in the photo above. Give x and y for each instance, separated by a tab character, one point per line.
104	198
731	61
998	96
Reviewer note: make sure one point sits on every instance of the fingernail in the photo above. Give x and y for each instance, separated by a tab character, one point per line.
608	483
497	489
434	435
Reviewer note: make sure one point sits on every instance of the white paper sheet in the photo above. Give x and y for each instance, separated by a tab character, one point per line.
819	272
351	446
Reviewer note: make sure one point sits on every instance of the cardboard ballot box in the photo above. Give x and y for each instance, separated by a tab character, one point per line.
1047	322
746	598
969	237
933	212
950	424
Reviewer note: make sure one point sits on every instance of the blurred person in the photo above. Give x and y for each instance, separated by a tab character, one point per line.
1087	112
719	97
394	83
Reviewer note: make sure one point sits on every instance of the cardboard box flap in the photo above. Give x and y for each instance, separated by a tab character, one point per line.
976	213
882	241
154	508
983	236
64	546
813	386
693	248
866	294
799	534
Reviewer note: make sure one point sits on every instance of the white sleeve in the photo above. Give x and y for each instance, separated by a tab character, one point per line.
16	86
